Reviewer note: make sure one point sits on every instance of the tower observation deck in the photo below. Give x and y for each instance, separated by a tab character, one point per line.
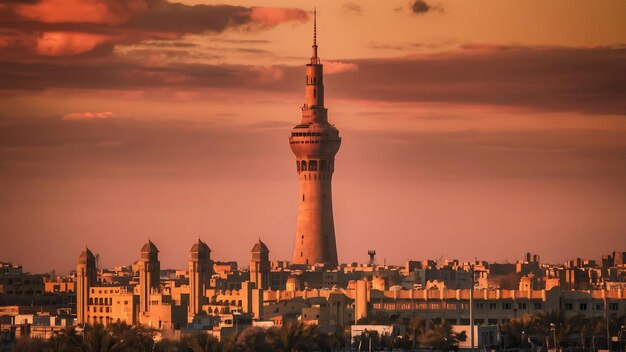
315	142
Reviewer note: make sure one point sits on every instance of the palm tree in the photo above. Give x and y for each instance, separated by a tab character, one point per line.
203	342
518	328
293	337
57	342
415	329
442	337
338	338
546	320
99	339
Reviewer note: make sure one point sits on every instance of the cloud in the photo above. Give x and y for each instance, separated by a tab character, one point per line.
91	115
420	6
351	8
26	26
110	12
549	79
585	80
332	67
273	16
64	43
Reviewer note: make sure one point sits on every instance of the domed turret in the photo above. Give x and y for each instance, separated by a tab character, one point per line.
86	257
200	250
149	251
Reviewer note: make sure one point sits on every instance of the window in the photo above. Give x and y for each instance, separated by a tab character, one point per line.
313	165
492	305
521	305
480	305
537	305
303	165
314	93
583	306
598	306
506	305
569	306
613	306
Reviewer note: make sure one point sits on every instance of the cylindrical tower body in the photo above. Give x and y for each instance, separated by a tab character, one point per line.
315	142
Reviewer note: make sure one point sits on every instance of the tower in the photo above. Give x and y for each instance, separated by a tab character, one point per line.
260	265
86	277
149	274
200	272
315	142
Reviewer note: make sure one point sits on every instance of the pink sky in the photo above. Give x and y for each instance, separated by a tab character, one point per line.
470	128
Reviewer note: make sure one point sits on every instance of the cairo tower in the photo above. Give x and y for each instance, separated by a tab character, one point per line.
315	142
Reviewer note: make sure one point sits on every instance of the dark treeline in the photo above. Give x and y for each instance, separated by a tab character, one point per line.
527	331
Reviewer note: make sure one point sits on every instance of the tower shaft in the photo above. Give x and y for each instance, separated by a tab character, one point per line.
315	142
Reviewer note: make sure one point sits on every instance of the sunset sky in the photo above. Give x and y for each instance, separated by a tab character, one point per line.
471	128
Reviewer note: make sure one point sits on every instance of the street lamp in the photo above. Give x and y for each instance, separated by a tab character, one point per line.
553	329
521	342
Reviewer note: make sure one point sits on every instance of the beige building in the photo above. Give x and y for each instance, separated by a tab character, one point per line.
260	266
149	275
86	278
109	304
199	276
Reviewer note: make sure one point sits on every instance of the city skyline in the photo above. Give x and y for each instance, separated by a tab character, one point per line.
454	142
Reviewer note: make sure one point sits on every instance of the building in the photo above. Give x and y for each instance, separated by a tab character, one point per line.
199	276
314	141
260	266
86	278
149	274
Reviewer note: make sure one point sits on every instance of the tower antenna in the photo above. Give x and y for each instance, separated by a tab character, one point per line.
314	59
315	26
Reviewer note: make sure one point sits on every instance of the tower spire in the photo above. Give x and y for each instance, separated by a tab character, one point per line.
314	26
314	59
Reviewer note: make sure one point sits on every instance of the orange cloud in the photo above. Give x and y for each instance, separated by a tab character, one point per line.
267	73
331	67
273	16
67	43
90	115
82	11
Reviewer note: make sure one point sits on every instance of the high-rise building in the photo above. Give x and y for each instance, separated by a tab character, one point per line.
199	275
260	266
149	274
315	142
86	277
